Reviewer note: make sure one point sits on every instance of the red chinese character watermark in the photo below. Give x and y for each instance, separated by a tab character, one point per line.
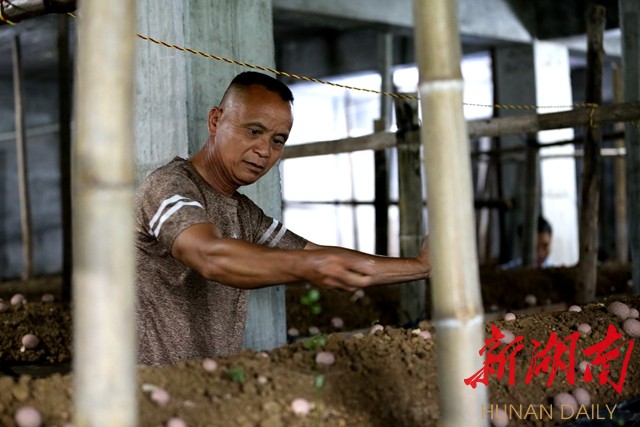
551	358
603	357
496	363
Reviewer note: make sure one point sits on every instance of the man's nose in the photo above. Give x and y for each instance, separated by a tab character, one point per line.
263	147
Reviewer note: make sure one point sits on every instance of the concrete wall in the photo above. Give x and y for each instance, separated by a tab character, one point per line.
175	91
41	109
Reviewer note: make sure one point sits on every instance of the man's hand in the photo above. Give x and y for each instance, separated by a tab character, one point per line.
338	268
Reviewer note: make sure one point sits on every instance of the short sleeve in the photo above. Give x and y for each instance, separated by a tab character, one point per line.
269	231
167	203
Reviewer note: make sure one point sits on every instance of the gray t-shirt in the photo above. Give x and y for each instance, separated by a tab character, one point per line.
180	314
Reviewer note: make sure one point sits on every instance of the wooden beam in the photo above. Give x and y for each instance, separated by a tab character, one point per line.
500	126
375	141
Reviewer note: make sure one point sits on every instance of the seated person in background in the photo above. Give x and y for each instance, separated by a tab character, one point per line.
543	247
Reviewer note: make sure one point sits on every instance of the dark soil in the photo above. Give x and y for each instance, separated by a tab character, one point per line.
384	379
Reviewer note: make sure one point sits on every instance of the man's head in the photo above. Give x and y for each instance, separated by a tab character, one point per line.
249	78
545	234
248	130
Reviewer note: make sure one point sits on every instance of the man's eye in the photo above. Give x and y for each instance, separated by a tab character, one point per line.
254	131
279	141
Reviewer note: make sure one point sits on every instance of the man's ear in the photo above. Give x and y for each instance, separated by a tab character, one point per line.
214	116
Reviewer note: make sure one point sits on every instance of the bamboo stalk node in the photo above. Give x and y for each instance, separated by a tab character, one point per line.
459	322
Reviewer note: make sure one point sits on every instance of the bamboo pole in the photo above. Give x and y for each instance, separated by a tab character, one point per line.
531	203
499	126
104	363
19	10
412	228
622	239
592	164
21	157
457	305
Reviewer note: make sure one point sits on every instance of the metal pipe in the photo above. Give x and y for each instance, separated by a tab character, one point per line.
104	364
457	305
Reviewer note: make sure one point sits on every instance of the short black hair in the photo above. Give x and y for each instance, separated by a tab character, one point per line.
544	226
249	78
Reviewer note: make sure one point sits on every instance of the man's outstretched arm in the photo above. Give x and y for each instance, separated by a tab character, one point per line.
387	270
246	265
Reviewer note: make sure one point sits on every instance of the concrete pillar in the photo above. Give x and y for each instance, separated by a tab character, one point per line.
630	24
539	74
175	90
559	189
514	81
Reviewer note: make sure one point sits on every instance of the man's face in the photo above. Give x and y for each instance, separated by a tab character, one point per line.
543	247
249	131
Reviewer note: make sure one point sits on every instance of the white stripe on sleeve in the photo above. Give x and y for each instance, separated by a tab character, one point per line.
170	212
276	239
269	231
163	205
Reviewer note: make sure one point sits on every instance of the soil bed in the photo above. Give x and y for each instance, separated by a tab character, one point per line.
384	379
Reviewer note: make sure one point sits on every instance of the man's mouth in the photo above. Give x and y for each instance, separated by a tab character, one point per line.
255	166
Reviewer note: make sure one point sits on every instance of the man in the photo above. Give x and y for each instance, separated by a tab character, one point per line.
543	247
201	245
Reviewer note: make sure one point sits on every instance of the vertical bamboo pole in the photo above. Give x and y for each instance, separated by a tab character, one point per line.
21	156
531	203
412	228
622	239
592	163
103	173
457	311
